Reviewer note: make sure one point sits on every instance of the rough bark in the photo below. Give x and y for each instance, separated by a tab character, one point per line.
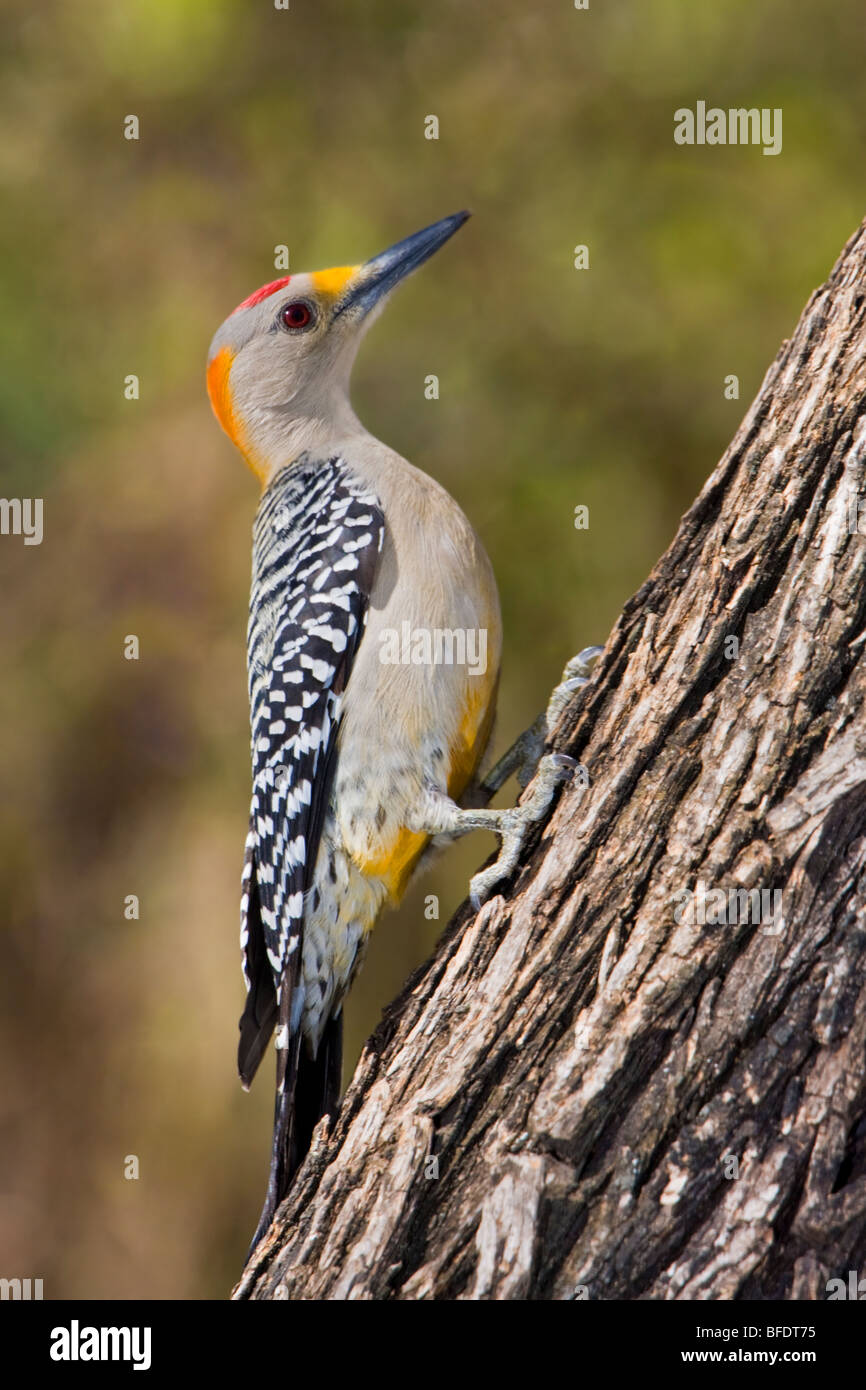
585	1067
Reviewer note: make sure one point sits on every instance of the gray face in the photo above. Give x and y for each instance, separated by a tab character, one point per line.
283	346
280	364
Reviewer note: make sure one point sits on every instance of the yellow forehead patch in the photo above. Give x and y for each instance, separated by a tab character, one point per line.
332	282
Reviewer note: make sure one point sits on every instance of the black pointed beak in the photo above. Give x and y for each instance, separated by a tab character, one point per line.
377	277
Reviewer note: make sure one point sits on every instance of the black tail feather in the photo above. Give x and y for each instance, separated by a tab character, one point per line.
307	1087
310	1089
259	1017
317	1092
257	1024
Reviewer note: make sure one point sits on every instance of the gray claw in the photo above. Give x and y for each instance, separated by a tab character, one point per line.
582	664
574	677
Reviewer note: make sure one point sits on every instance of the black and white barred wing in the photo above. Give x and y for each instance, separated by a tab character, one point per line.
316	543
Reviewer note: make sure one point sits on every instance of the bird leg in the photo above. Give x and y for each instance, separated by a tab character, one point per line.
524	755
438	815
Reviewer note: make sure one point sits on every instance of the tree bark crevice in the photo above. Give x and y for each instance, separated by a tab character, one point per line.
624	1098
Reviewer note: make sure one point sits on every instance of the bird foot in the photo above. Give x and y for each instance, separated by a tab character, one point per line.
514	822
574	677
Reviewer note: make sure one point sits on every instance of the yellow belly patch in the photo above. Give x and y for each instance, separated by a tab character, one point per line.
473	736
394	865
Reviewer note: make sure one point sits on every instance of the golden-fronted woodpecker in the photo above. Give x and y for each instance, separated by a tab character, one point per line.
374	647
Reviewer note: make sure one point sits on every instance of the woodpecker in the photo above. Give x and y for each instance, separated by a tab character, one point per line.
358	762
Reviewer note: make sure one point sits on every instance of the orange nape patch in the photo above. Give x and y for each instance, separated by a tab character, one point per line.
331	283
218	369
219	390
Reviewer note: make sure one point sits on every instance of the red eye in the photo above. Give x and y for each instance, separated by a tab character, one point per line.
298	314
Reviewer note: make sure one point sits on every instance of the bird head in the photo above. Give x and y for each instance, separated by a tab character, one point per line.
278	367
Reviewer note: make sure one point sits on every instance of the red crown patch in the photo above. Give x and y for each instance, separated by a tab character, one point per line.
263	293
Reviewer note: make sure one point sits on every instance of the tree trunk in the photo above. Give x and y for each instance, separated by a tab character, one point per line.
634	1077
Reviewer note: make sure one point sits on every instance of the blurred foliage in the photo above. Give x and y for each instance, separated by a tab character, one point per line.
558	387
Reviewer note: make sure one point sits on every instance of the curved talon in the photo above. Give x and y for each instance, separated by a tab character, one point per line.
583	663
574	677
560	698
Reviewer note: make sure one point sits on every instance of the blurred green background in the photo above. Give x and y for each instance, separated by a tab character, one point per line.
558	387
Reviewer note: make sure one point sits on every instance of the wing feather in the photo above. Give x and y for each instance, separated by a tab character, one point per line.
316	543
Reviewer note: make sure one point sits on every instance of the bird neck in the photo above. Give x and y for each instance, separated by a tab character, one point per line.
316	430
